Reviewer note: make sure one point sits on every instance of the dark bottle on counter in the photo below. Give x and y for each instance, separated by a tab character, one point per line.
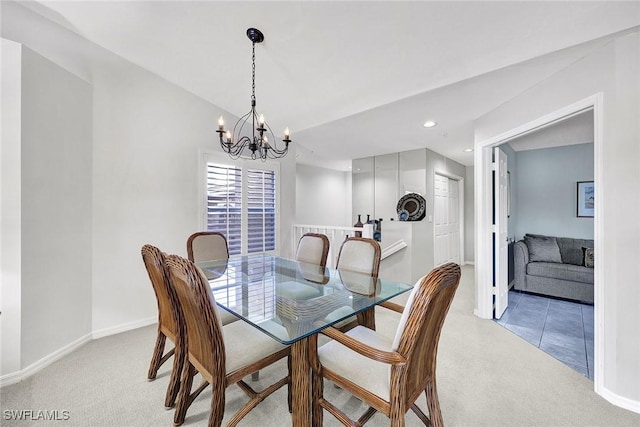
358	224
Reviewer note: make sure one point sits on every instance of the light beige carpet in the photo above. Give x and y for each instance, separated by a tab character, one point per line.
487	376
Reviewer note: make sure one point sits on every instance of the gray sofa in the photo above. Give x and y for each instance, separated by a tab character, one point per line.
554	266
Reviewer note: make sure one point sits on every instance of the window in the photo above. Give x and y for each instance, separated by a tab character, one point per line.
241	202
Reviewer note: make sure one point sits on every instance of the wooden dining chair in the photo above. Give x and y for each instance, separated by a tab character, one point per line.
222	355
360	255
207	246
313	248
391	375
168	321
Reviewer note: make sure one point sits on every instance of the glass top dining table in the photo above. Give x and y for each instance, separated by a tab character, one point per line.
290	300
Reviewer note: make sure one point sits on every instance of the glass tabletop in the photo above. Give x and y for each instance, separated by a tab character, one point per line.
290	300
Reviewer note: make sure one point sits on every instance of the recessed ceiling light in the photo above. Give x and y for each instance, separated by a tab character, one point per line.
429	124
468	150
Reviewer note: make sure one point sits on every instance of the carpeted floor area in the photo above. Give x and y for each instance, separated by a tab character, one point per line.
487	376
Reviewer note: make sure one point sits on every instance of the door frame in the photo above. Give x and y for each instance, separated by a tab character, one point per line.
483	224
460	181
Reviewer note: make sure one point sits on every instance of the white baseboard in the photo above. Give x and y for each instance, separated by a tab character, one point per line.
623	402
18	376
124	327
469	263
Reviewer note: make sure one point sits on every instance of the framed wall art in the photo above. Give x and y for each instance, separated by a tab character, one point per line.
585	200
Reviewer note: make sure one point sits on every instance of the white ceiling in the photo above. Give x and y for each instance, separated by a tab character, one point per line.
353	79
577	129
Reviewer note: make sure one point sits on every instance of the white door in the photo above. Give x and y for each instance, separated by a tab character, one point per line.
446	221
500	233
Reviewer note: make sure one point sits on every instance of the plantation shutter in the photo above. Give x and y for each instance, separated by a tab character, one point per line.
261	208
241	203
224	203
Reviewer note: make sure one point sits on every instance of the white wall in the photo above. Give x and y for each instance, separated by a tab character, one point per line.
135	183
612	70
10	208
546	185
147	138
323	196
469	226
56	207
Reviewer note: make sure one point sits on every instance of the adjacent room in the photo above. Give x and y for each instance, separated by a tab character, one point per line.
317	210
551	301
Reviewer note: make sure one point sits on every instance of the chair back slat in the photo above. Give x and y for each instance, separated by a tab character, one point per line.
419	339
154	261
204	339
207	246
359	254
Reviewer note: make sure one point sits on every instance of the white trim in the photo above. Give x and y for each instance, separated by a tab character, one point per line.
393	248
124	327
598	233
469	263
449	175
483	227
35	367
623	402
18	376
482	160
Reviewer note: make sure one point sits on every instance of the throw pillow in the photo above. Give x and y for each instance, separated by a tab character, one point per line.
588	257
543	249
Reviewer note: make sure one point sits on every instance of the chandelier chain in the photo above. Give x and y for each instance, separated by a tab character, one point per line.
253	72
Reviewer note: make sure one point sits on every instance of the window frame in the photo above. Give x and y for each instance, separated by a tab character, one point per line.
244	164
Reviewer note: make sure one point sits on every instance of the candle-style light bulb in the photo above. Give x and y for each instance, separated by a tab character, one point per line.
286	134
228	135
221	123
265	141
261	120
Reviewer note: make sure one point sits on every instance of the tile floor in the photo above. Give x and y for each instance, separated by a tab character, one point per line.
560	328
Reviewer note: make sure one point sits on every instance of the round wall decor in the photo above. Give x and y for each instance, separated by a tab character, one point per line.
411	207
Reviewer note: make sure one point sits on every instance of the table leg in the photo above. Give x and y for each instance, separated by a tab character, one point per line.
368	318
300	383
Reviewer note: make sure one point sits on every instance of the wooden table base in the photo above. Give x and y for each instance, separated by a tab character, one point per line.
300	383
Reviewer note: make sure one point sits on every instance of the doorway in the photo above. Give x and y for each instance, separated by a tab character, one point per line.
545	166
484	211
447	214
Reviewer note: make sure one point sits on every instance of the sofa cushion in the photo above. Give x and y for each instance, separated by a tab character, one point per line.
571	249
554	270
542	249
588	257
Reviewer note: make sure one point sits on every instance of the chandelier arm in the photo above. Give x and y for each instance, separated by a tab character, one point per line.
275	143
241	121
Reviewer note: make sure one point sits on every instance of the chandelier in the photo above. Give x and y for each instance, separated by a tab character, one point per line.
261	142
